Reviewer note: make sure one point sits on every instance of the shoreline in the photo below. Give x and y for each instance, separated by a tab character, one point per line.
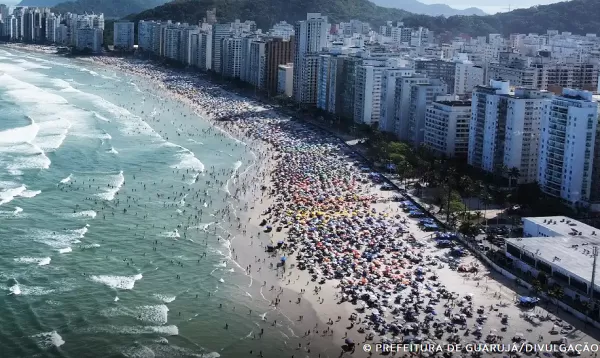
324	312
432	261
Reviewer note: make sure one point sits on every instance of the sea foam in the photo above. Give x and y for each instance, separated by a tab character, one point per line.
121	282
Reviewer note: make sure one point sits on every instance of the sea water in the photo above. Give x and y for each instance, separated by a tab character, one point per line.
89	257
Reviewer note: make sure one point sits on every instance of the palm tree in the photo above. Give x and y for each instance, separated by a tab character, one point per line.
487	199
513	173
556	293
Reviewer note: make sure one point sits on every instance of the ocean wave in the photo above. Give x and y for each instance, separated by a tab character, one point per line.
187	160
116	185
172	234
164	298
40	261
9	194
170	330
121	282
67	179
17	289
48	339
112	150
65	250
59	239
83	214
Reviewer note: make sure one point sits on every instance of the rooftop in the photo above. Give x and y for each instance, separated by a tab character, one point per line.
564	226
572	253
455	103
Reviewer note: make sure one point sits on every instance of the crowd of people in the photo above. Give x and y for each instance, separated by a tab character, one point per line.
328	217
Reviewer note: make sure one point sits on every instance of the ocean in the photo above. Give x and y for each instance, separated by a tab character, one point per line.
109	193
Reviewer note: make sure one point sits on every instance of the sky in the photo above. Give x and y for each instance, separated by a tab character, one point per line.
491	6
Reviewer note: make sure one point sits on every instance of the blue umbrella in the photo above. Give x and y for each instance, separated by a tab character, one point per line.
283	258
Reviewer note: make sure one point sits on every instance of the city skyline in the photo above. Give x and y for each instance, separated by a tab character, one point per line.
489	6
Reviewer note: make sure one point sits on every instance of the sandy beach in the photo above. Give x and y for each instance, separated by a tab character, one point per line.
305	191
344	261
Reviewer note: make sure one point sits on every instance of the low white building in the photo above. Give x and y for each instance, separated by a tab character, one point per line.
285	79
123	36
561	248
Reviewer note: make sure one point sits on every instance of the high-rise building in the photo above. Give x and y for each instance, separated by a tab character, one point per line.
231	53
460	75
447	128
402	103
123	37
522	133
367	95
257	62
310	39
278	51
566	153
89	38
219	33
329	78
421	96
487	125
505	128
347	87
388	96
205	50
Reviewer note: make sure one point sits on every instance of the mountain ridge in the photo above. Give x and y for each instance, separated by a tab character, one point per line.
110	8
419	8
577	16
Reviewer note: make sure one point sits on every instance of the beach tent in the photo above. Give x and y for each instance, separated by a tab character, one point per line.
528	301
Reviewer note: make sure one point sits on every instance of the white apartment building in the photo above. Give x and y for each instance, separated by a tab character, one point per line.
205	50
487	125
90	38
505	129
421	96
257	71
329	77
567	146
459	74
172	42
402	102
285	78
310	39
388	96
282	29
367	93
447	128
307	88
219	32
145	34
522	132
231	53
188	51
123	36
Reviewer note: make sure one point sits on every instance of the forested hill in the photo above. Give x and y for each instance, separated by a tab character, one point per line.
110	8
577	16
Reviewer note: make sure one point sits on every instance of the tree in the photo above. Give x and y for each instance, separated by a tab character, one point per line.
556	293
536	286
468	229
486	198
513	173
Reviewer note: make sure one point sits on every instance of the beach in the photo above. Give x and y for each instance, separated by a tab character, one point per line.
470	307
333	260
